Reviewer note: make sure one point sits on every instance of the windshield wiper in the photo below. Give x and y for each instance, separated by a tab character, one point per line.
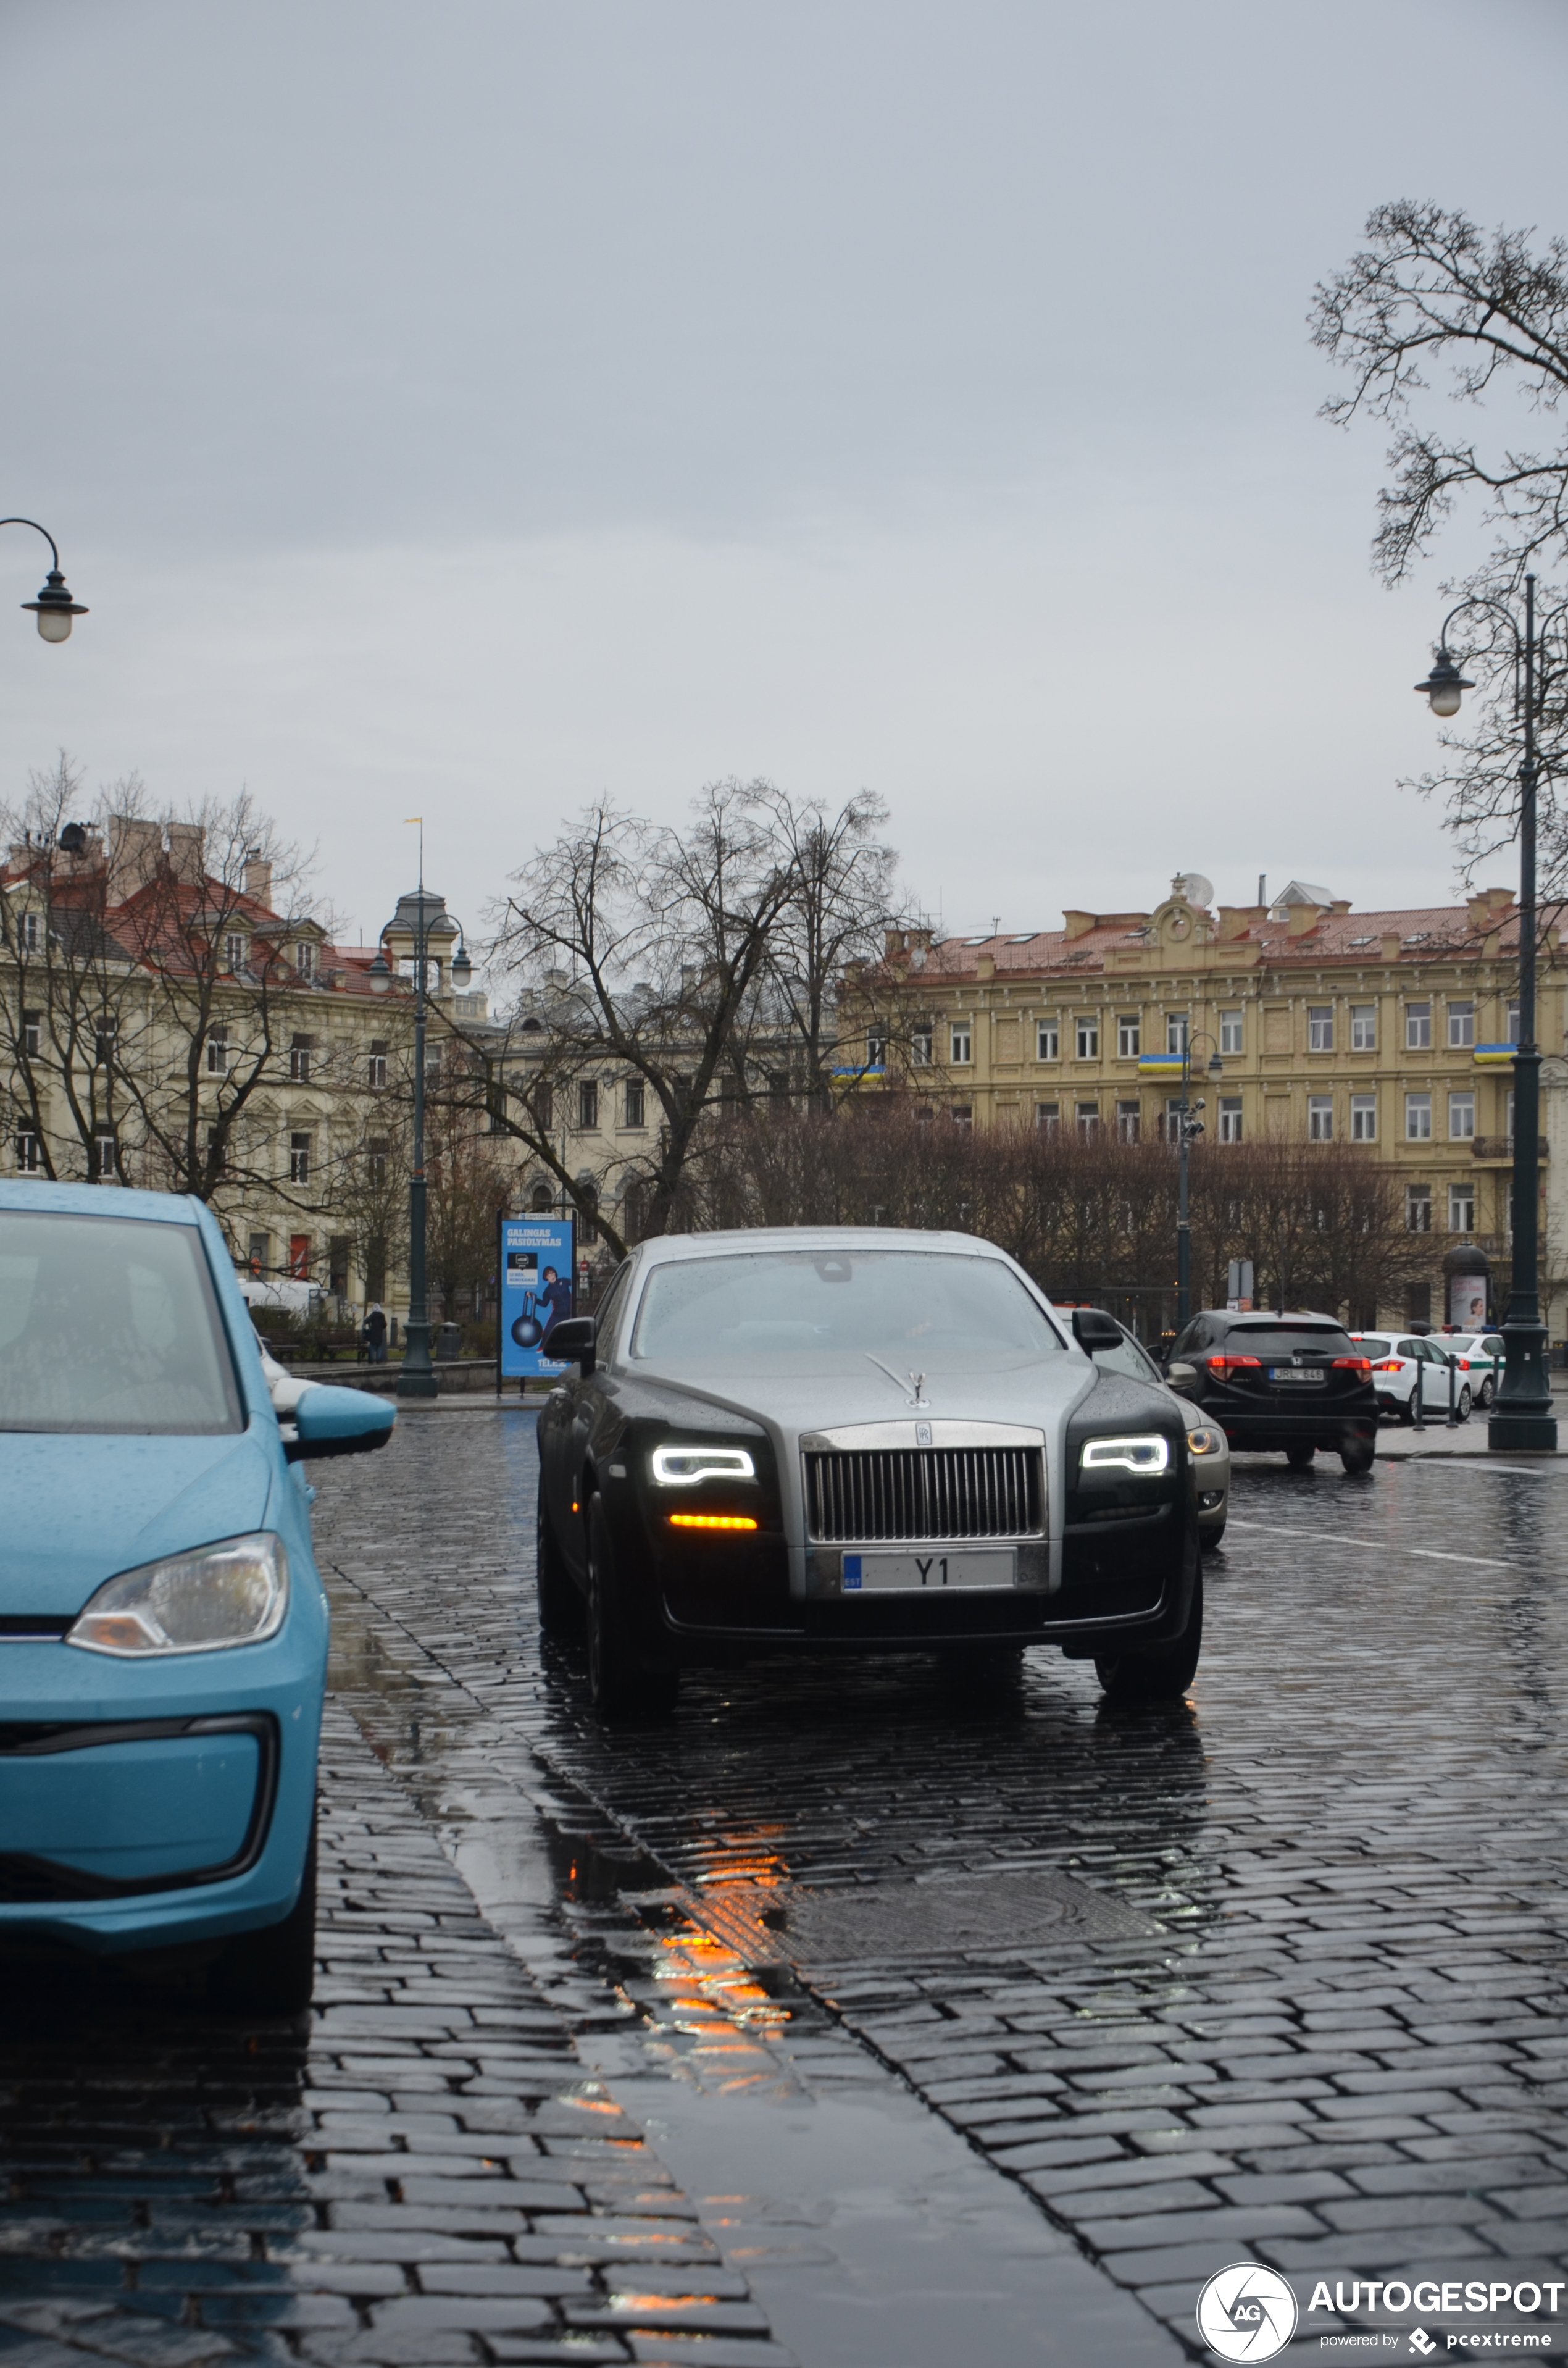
916	1380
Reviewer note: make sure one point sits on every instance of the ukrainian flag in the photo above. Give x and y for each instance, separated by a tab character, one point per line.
1159	1065
1491	1057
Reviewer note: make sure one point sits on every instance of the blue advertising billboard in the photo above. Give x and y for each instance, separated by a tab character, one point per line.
535	1276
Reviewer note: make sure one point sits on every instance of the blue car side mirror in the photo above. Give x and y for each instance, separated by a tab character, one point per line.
339	1422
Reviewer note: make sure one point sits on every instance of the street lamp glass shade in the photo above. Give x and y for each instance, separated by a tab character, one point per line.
54	608
1445	685
54	624
463	969
381	973
1216	1067
1446	698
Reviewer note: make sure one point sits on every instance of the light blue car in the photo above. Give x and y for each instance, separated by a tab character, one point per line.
163	1628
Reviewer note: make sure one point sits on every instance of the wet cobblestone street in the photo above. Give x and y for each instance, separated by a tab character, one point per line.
603	2066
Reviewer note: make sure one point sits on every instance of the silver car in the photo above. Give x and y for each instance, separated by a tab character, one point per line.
842	1440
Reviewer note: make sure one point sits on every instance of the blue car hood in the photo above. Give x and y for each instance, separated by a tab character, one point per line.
73	1510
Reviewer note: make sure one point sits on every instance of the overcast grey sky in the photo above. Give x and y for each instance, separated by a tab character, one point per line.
473	407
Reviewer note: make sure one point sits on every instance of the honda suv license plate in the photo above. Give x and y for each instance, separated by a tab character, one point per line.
915	1574
1297	1372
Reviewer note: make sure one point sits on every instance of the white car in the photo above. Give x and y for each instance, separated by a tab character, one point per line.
1206	1439
1400	1361
1480	1355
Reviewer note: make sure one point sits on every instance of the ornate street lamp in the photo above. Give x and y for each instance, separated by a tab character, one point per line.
1521	1412
1172	1064
54	608
419	919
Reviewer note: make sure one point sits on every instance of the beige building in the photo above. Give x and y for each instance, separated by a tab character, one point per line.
1328	1024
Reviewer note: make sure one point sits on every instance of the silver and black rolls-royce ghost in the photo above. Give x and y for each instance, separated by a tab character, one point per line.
846	1440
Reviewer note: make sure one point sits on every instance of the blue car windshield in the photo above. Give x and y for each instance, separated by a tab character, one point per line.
109	1324
807	1312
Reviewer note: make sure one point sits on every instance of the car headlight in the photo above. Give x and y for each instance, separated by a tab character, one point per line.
682	1467
1204	1442
1148	1452
235	1593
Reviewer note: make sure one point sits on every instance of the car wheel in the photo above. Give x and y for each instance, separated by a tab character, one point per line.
1359	1454
624	1679
1160	1672
1486	1394
271	1973
1407	1408
1465	1404
1210	1538
560	1605
1300	1454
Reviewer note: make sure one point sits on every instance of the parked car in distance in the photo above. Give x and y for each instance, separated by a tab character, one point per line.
1290	1384
1480	1356
846	1440
1404	1365
162	1628
1207	1441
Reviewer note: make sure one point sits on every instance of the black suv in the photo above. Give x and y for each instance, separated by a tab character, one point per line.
1291	1382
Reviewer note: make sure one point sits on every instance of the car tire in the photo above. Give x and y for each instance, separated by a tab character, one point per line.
1465	1405
1210	1538
625	1680
1300	1454
1486	1394
1359	1454
271	1973
560	1605
1407	1408
1160	1673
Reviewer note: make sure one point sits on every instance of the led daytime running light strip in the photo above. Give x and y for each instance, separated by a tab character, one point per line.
711	1522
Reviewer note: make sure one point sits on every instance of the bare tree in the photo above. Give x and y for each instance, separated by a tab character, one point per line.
840	901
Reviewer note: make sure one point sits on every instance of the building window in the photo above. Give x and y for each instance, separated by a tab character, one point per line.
541	1105
376	1071
1089	1118
299	1160
300	1256
962	1114
1320	1118
923	1113
1128	1035
106	1155
1418	1208
1418	1118
1461	1118
1319	1027
217	1161
1417	1026
306	957
1231	1031
588	1107
32	1033
1513	1033
1508	1114
299	1050
635	1105
105	1035
1089	1036
962	1048
1048	1039
1462	1025
1127	1122
1363	1118
218	1050
1176	1031
258	1251
1170	1124
919	1050
30	1153
1363	1028
28	933
876	1050
1230	1118
236	951
1462	1208
376	1158
1048	1117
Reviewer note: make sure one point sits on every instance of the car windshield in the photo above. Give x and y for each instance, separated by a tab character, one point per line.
109	1324
841	1312
1278	1341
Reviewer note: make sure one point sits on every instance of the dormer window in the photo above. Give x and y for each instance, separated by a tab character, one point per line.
236	951
306	957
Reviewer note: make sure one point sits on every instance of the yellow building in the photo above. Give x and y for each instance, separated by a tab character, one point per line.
1328	1025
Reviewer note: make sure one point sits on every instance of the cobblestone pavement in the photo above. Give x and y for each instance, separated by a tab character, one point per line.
1284	1980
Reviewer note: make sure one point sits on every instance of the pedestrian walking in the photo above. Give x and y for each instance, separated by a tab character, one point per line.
374	1333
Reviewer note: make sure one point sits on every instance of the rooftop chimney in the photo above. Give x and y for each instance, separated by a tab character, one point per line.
258	877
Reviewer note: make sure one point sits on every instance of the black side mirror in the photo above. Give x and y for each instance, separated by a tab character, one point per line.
1092	1328
571	1342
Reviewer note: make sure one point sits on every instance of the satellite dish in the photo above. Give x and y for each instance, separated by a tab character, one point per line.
1196	889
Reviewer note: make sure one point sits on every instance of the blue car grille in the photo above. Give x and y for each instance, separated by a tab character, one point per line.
858	1494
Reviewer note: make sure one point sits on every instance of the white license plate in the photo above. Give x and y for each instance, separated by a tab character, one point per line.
1297	1372
927	1573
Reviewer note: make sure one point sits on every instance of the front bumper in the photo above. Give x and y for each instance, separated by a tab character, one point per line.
155	1805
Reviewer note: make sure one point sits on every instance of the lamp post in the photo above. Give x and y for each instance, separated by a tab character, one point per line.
54	608
418	919
1521	1412
1188	1128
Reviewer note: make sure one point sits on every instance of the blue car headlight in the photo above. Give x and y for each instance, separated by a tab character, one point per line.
232	1593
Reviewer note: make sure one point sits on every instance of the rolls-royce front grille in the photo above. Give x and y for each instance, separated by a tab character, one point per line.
856	1496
